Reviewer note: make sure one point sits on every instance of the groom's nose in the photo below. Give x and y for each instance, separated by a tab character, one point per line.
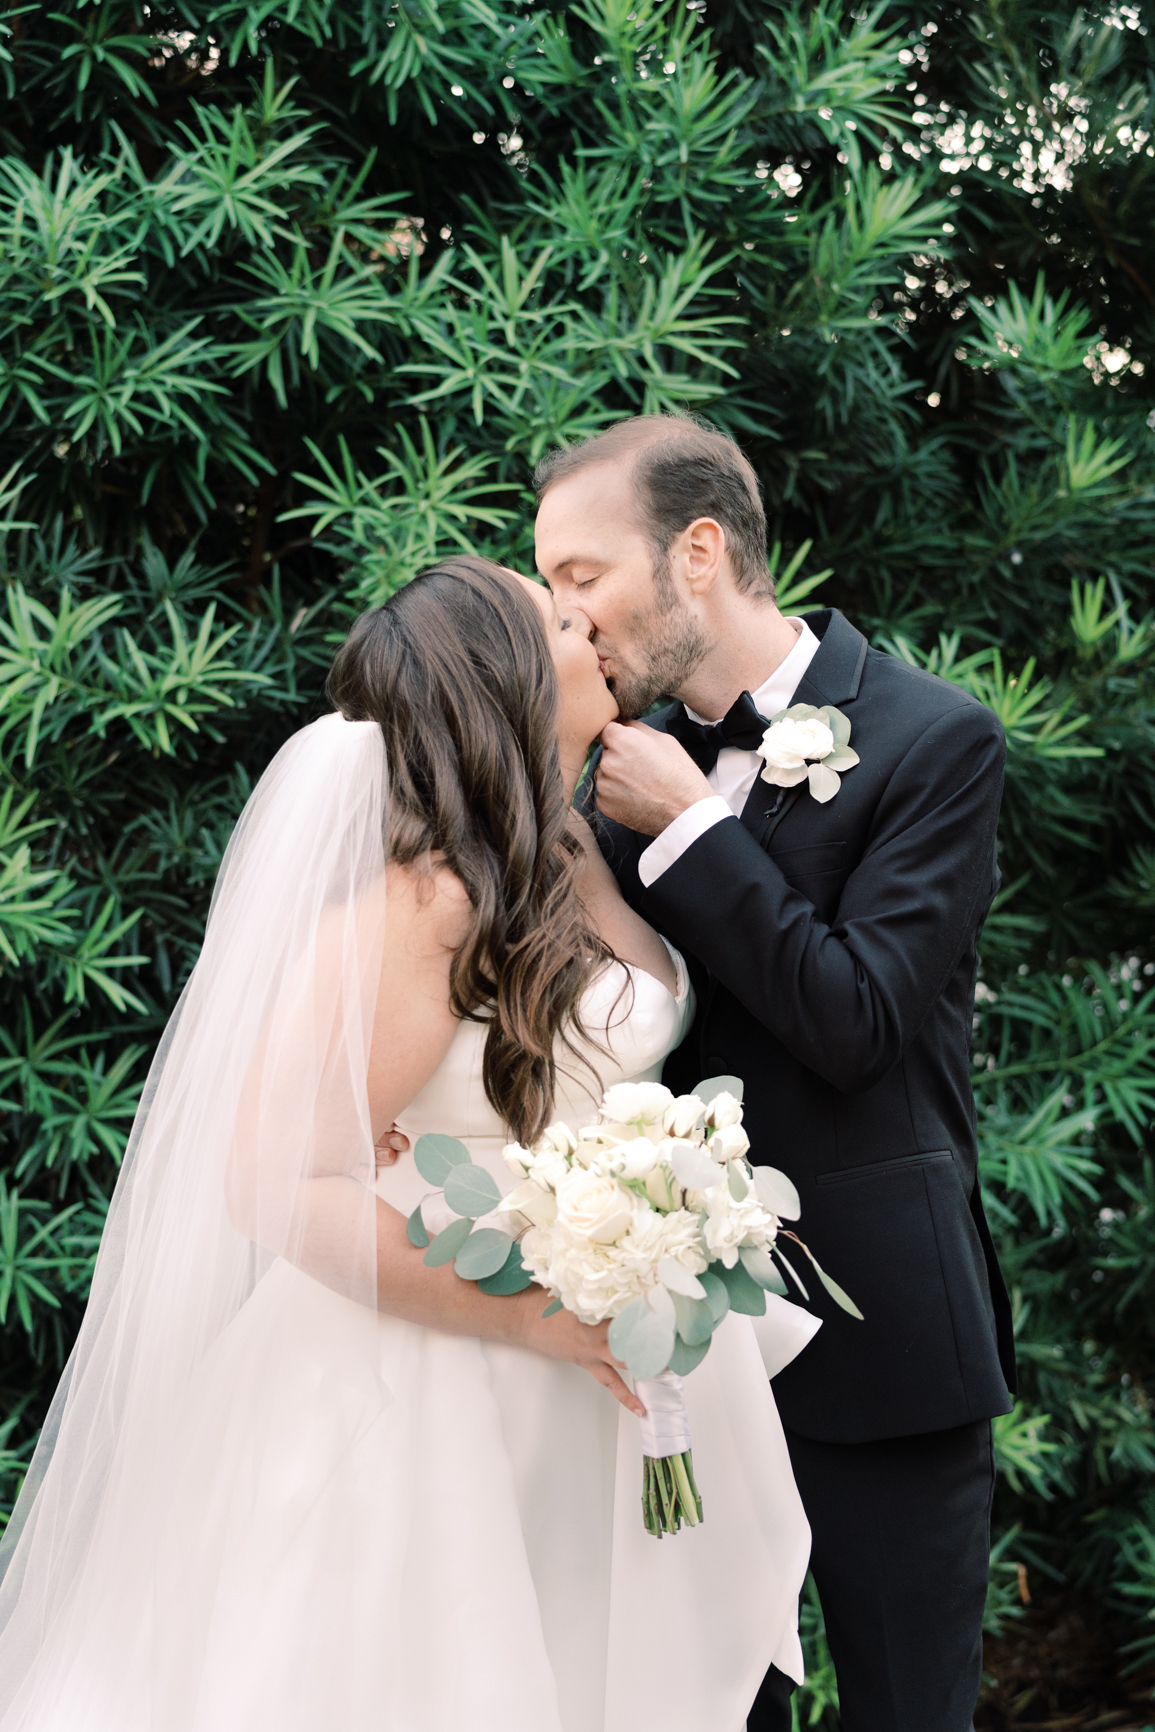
580	621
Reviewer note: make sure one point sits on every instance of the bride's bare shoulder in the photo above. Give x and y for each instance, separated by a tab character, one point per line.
427	904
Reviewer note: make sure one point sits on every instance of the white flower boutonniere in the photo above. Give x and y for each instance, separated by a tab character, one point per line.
804	743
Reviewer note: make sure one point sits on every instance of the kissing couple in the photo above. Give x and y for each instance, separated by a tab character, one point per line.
296	1477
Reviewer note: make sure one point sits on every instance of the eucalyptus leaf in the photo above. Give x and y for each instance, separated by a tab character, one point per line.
554	1306
693	1168
448	1243
837	1294
777	1193
695	1320
838	724
761	1266
436	1156
512	1277
470	1190
685	1358
416	1230
717	1293
841	758
786	1264
737	1181
678	1279
745	1294
720	1085
644	1338
661	1304
483	1253
824	784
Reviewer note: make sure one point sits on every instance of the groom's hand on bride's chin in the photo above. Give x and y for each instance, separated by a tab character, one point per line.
645	779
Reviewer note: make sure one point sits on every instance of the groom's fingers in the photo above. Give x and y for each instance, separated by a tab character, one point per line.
645	779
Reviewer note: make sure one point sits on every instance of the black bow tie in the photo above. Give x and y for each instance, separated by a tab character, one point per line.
741	727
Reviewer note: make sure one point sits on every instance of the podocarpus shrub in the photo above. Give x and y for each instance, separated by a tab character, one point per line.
294	295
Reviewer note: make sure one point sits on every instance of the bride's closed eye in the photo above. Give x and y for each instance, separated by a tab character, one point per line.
563	624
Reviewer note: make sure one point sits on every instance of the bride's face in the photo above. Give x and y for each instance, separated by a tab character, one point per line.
587	703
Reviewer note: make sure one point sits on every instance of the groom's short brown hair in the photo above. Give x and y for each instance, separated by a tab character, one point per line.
682	469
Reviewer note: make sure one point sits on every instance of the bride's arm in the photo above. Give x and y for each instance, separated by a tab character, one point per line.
294	1187
414	1026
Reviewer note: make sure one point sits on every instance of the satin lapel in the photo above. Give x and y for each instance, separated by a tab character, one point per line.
832	678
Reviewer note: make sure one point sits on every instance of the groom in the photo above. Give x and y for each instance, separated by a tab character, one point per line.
831	924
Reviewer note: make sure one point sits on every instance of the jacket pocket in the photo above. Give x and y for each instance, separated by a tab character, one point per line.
878	1169
810	859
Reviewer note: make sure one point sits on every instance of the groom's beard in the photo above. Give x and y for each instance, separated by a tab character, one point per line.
669	645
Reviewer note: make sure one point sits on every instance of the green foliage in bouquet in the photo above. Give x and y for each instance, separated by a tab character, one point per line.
294	296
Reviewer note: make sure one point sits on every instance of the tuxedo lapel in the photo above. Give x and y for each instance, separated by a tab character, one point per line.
833	677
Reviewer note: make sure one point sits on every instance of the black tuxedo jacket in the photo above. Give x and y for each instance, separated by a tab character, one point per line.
833	951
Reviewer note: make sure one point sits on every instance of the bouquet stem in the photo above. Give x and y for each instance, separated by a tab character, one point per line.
669	1494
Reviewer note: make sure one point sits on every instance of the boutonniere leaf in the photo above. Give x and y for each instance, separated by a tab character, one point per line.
808	744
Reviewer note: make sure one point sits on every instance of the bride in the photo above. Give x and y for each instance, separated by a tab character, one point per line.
294	1480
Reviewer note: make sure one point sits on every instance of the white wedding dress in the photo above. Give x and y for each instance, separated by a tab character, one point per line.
430	1533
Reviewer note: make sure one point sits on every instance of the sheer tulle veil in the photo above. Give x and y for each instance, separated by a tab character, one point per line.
252	1142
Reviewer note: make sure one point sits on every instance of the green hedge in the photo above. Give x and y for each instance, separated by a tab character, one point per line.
294	293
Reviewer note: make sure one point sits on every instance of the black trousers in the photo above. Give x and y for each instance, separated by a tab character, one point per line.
901	1556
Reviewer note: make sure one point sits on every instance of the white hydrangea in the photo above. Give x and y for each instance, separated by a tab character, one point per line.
731	1222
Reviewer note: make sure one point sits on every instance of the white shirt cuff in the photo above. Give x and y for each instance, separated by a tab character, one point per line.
678	836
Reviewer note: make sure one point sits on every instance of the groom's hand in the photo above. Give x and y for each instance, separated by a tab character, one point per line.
645	779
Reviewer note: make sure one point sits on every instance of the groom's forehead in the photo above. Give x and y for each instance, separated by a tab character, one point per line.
583	517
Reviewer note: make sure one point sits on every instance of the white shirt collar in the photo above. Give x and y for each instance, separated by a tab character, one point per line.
778	691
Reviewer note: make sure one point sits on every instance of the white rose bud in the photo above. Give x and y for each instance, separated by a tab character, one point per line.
724	1111
517	1159
639	1156
594	1207
730	1143
539	1207
663	1191
557	1139
682	1115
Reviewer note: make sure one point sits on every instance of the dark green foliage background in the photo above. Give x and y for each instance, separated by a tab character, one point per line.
295	292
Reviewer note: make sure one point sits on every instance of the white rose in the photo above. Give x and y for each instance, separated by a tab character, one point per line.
725	1110
635	1103
729	1144
786	746
682	1115
593	1206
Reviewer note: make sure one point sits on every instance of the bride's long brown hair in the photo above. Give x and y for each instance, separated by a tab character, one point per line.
456	670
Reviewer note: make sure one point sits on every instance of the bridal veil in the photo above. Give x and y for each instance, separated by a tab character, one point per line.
252	1142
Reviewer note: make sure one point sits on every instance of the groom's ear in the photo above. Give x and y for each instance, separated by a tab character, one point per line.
699	554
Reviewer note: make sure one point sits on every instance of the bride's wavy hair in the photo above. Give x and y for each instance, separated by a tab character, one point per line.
456	670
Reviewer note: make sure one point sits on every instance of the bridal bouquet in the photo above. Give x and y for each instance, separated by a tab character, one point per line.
652	1217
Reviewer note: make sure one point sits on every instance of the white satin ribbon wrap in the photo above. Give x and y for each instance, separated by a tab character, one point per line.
666	1427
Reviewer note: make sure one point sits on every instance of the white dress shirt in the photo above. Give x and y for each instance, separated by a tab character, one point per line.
734	774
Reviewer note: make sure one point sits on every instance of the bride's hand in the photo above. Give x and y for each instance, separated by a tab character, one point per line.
563	1337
